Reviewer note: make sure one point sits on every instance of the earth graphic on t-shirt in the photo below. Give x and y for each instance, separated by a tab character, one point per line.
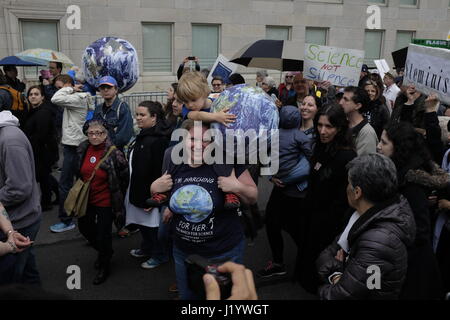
193	201
254	110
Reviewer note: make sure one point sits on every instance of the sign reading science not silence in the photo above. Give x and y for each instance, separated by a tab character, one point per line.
342	67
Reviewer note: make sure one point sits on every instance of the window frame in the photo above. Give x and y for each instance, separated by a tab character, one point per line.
327	33
382	46
289	29
172	49
219	39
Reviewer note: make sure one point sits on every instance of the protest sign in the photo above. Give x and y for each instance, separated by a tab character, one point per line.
340	66
429	70
223	68
382	67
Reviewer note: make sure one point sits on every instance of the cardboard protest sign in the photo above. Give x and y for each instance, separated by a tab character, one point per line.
429	70
382	67
340	66
223	68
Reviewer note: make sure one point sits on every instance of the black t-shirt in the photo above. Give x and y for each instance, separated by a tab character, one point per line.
200	223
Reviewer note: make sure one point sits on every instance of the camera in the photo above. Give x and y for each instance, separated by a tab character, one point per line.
45	74
191	58
197	266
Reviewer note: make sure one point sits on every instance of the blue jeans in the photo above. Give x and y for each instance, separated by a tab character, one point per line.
26	270
235	255
68	174
151	245
165	234
7	268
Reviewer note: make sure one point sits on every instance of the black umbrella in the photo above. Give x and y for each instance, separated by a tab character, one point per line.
271	54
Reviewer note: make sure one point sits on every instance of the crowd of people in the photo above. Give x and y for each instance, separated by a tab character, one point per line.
363	182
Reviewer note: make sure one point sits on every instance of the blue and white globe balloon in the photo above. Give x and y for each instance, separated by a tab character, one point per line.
113	57
255	111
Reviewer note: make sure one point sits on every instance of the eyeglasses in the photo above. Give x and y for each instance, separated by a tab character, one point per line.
289	76
96	133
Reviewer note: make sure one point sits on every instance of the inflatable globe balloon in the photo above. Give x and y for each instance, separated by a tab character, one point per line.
254	109
111	57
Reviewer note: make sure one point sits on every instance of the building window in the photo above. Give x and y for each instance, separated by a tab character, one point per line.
316	36
278	33
377	1
157	40
373	46
38	34
205	44
408	3
327	1
404	38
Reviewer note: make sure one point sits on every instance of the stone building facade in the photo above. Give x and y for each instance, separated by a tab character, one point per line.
232	24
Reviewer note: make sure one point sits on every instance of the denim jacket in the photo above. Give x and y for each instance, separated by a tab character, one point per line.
120	128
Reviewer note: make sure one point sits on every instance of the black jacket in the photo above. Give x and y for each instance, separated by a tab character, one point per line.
273	91
326	206
148	154
40	129
378	116
379	237
413	114
423	280
16	84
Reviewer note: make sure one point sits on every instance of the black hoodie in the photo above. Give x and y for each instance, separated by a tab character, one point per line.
146	163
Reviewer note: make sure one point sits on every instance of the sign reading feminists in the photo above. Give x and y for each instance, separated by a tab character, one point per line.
429	70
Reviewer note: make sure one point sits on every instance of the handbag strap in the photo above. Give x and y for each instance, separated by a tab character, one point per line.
111	149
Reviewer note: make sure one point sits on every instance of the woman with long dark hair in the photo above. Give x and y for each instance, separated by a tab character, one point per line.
145	160
168	108
326	202
418	177
40	129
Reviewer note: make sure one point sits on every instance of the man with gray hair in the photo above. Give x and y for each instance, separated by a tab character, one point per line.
268	85
260	75
369	259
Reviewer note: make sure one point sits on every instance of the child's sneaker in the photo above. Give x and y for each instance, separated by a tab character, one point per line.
157	200
272	269
231	201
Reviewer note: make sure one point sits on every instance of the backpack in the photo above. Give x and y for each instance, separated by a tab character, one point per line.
19	106
18	99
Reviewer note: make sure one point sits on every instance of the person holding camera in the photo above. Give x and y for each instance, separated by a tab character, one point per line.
200	223
243	285
183	68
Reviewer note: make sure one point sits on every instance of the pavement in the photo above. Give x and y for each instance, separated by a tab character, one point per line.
128	281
